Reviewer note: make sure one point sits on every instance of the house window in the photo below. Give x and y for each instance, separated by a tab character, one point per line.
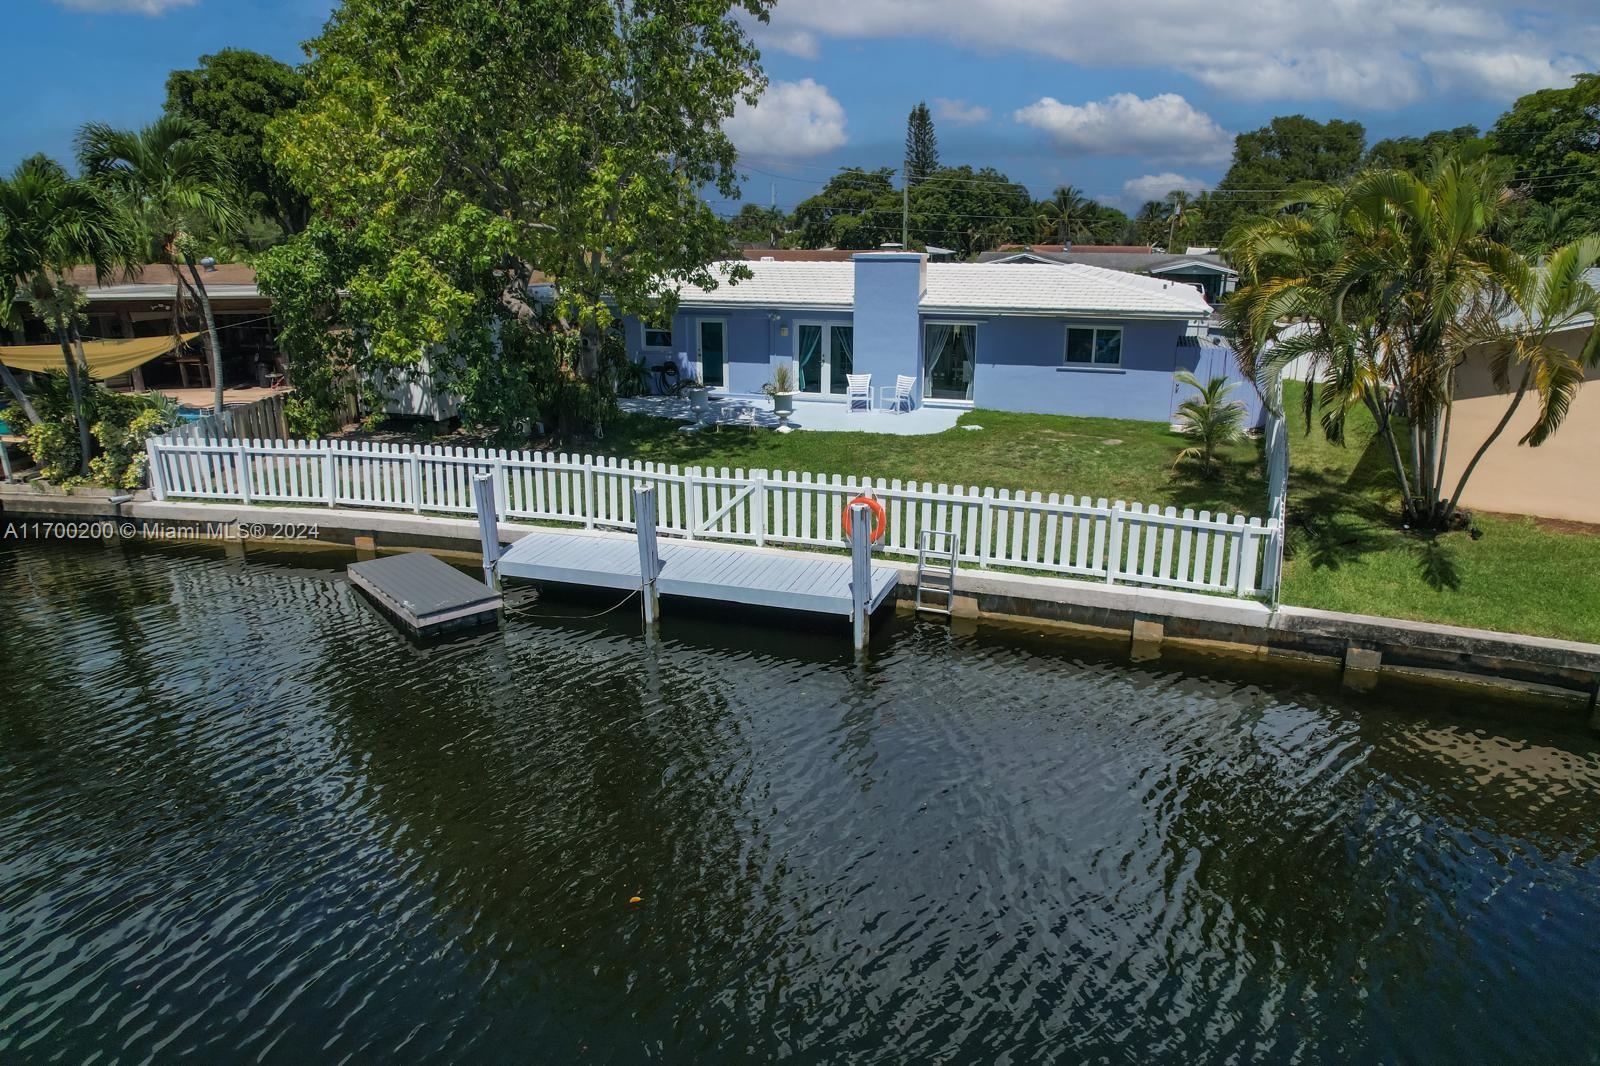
1094	346
657	338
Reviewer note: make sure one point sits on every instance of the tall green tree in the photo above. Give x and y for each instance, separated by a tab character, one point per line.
235	94
176	185
1290	150
855	209
758	225
462	145
1414	153
49	224
922	145
1552	138
970	210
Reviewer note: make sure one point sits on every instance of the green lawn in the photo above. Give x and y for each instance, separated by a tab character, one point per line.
1091	457
1347	554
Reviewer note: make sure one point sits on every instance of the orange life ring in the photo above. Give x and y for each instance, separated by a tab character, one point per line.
880	520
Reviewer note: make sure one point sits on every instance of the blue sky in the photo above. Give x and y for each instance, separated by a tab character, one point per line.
1121	99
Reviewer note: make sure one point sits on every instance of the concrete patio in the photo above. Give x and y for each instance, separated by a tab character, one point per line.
825	416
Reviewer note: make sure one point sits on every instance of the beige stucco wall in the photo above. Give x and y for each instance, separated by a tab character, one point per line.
1558	479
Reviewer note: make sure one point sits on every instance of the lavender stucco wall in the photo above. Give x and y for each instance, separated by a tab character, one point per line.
888	333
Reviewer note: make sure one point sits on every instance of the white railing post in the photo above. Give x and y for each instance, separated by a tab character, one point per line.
414	479
985	520
158	477
1237	553
691	487
328	472
758	506
242	458
488	530
500	494
860	572
589	507
644	517
1114	549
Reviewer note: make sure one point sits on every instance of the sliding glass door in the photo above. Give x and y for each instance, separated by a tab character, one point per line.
823	355
949	352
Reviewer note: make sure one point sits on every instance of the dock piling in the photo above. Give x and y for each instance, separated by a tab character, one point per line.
860	572
483	498
644	514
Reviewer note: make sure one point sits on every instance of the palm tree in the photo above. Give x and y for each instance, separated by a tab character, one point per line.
1180	206
53	223
176	183
1066	214
1386	285
1210	419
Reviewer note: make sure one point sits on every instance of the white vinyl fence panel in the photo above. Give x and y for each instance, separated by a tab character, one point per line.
1110	541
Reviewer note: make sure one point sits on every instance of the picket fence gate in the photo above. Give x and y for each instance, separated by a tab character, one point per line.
1110	541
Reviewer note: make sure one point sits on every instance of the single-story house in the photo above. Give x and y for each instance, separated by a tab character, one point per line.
1214	277
1078	340
143	305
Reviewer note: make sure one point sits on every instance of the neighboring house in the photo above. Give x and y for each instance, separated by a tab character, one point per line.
760	253
143	306
1207	270
1559	478
1077	340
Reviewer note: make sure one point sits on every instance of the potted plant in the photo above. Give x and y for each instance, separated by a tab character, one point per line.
699	395
781	389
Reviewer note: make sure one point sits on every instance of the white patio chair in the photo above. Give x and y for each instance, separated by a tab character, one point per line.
858	392
903	384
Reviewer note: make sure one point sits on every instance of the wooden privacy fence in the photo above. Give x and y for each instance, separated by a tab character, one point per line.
264	419
1110	541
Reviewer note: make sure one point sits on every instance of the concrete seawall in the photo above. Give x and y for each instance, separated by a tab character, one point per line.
1363	649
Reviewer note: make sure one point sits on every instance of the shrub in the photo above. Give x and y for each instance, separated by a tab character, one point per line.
118	422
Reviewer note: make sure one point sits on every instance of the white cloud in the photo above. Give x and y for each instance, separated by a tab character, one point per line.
793	119
1369	53
802	43
127	7
960	112
1135	191
1163	127
1506	74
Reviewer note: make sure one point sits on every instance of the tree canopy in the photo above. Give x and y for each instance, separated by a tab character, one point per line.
1288	151
459	146
1552	138
235	94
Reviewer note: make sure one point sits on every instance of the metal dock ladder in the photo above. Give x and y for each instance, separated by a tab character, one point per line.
937	550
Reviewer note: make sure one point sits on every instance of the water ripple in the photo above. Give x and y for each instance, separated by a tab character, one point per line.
242	819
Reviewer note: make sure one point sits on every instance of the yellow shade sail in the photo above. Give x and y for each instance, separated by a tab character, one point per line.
107	359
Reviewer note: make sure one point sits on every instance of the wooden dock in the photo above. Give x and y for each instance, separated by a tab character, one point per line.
794	581
425	594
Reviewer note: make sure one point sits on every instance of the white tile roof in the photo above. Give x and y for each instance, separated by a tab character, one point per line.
990	288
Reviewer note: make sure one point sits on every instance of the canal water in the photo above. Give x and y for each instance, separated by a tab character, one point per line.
242	819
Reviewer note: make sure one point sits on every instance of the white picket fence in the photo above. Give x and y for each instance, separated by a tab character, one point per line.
1111	541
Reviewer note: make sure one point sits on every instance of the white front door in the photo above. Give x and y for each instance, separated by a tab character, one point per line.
824	352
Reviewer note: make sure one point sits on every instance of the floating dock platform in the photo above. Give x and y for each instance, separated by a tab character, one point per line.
755	577
426	595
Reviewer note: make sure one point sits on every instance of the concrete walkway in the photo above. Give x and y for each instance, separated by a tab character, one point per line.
827	416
